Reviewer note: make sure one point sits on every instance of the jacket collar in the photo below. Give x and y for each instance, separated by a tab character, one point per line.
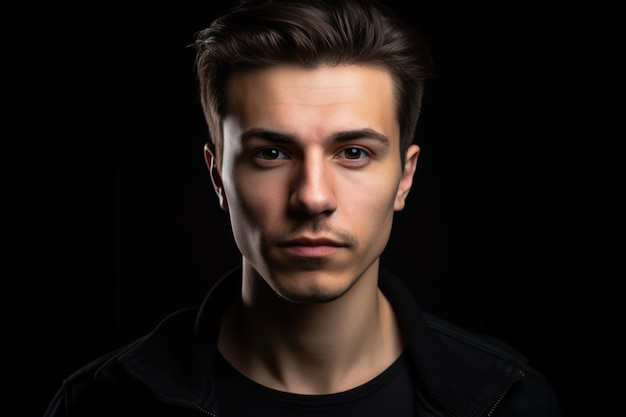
457	373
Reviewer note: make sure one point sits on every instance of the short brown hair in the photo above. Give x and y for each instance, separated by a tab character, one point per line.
260	34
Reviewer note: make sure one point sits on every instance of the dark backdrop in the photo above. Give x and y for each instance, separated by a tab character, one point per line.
457	243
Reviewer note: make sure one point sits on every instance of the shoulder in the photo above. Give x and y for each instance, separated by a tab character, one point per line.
83	387
530	395
106	382
464	372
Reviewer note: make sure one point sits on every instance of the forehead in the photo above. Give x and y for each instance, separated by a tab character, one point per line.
275	93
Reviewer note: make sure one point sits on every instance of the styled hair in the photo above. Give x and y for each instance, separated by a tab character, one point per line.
262	33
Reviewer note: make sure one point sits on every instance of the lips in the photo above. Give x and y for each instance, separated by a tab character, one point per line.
311	242
312	247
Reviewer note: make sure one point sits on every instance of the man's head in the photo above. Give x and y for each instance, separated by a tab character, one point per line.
309	33
311	110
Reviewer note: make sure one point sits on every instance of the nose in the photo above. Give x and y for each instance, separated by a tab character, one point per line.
313	191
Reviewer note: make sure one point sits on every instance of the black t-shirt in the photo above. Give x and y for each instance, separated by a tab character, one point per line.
389	394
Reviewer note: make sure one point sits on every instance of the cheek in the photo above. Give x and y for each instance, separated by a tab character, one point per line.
250	211
376	189
370	202
252	198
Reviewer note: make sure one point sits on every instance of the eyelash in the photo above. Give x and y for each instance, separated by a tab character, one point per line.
261	152
362	153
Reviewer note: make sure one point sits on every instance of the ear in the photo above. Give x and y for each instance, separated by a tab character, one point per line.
410	164
212	164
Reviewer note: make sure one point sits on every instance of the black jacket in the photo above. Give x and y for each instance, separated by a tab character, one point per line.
168	371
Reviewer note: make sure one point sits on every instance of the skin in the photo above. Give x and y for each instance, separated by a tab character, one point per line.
311	176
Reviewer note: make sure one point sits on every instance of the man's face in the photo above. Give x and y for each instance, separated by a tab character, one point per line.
311	175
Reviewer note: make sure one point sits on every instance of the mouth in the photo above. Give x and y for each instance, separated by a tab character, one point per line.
312	248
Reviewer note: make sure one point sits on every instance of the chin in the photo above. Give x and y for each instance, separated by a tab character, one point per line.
310	297
311	289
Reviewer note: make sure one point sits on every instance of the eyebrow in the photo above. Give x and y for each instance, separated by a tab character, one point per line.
341	136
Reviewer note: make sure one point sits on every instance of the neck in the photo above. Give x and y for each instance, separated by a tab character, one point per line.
310	348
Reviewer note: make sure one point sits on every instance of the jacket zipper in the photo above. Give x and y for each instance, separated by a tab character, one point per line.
189	405
503	393
200	409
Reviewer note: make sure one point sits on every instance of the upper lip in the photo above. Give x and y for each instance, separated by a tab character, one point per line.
307	241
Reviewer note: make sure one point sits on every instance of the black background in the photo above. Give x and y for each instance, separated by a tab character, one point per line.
462	243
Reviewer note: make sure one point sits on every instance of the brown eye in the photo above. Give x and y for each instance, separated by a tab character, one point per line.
270	154
353	153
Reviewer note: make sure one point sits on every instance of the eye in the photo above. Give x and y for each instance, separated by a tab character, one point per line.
270	154
353	153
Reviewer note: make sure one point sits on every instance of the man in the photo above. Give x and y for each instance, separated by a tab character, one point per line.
311	109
